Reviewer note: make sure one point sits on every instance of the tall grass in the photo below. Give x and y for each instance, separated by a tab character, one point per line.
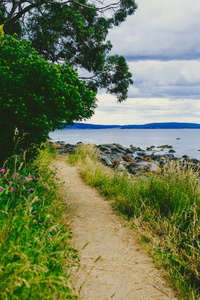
165	209
35	254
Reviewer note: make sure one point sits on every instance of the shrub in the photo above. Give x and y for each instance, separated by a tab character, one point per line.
36	97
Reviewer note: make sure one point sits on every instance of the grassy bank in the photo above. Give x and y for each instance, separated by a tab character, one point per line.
35	255
164	208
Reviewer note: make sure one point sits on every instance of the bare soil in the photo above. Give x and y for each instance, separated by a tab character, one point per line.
112	263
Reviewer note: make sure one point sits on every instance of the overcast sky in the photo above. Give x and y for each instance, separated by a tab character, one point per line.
161	43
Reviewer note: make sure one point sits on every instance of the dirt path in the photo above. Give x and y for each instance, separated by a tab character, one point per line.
112	264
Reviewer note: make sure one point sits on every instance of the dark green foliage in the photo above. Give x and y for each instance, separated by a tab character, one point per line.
36	97
74	31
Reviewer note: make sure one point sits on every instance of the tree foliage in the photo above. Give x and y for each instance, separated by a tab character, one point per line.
36	96
74	31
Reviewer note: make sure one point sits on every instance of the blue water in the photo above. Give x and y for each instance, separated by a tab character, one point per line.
188	142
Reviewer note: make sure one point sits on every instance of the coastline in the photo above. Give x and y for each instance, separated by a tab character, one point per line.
133	159
184	142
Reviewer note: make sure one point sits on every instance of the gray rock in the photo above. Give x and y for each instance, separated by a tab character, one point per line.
121	167
139	158
106	160
120	147
134	149
104	149
141	154
115	157
185	156
129	151
171	151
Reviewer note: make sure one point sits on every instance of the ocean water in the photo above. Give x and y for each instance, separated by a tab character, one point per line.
183	141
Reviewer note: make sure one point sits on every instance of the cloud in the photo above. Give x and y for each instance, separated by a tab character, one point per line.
165	79
145	110
162	46
164	29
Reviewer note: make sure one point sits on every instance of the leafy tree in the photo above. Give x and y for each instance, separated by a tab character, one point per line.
74	31
36	96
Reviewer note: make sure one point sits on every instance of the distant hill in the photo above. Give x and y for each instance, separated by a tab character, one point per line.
170	125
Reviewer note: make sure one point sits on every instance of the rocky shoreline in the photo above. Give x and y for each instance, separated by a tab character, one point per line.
133	159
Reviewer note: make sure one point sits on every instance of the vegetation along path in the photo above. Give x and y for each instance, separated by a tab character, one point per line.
112	265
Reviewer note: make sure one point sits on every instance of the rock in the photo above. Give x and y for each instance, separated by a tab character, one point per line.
134	149
106	160
185	156
120	147
104	149
139	158
195	161
168	156
150	148
164	146
141	153
121	167
126	158
61	151
129	151
148	158
70	149
114	157
144	167
172	151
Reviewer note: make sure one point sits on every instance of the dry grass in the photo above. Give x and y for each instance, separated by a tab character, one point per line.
164	208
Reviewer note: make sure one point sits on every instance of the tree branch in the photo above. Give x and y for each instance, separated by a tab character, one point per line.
22	12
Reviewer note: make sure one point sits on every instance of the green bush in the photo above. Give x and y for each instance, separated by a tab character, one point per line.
36	97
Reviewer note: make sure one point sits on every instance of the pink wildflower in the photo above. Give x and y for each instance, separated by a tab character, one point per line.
51	222
2	171
10	182
12	189
31	189
40	223
1	188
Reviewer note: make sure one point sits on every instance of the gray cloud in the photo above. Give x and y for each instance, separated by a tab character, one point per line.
165	29
162	46
165	79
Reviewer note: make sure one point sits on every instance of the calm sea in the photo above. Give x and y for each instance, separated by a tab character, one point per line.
184	141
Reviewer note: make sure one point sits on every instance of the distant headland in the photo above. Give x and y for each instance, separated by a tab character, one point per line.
168	125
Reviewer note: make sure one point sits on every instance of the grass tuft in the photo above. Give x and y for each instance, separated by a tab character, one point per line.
35	254
165	208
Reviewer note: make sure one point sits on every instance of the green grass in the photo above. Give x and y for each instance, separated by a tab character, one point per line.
35	255
164	208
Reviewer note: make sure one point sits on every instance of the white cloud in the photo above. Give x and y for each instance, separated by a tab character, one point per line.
143	110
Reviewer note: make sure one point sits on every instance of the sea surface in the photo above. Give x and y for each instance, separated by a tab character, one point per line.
184	141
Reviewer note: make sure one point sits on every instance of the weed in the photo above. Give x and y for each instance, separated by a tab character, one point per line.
165	208
35	254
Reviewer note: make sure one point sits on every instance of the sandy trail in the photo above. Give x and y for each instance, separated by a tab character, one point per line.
112	263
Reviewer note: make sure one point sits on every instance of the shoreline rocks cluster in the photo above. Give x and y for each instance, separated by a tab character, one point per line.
133	159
